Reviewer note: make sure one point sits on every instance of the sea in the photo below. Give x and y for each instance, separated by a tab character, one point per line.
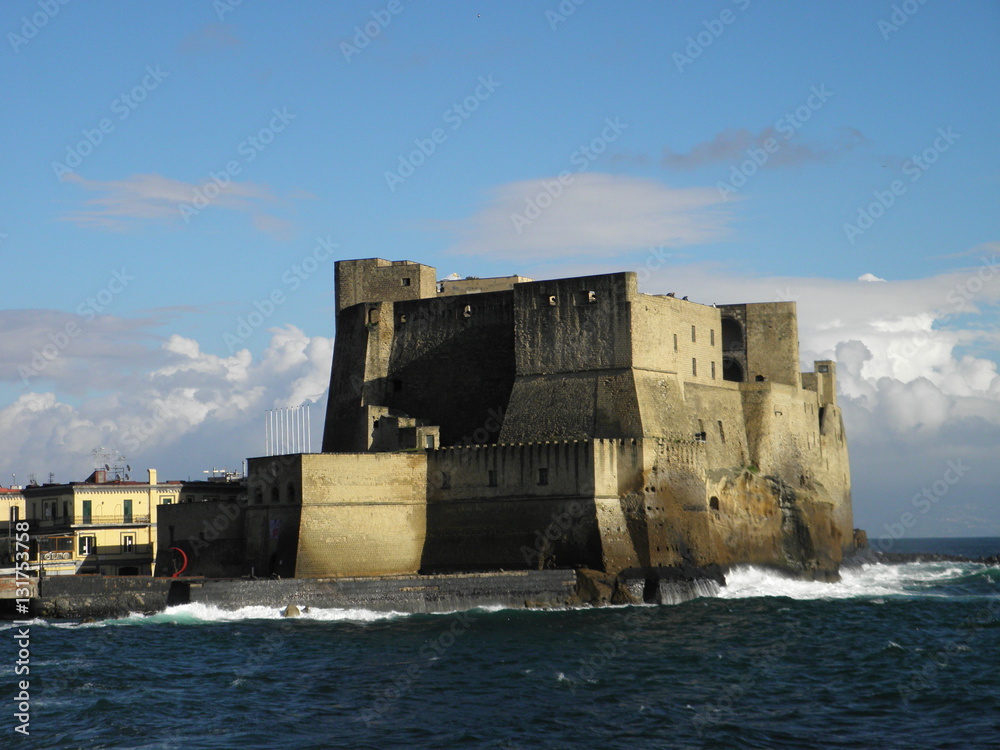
893	656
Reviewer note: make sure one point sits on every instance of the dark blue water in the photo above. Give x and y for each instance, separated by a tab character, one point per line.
892	657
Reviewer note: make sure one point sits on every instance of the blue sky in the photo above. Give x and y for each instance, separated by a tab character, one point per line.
839	154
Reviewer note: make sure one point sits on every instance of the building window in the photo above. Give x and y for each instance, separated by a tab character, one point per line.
694	337
275	497
713	370
552	300
722	432
675	342
14	514
711	337
291	492
65	508
88	545
694	366
713	503
491	478
543	476
591	296
405	281
128	544
823	368
127	511
467	311
445	480
87	517
258	497
166	500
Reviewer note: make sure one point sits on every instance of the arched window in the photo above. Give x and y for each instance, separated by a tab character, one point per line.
732	335
258	497
713	503
732	370
275	497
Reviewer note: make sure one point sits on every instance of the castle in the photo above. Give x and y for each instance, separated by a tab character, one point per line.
504	424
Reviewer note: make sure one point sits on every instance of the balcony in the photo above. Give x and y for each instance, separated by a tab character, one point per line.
116	520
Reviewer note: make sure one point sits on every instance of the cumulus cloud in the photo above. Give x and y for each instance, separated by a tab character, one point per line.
590	214
186	408
869	277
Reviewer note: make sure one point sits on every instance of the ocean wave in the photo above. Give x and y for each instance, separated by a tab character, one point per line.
867	581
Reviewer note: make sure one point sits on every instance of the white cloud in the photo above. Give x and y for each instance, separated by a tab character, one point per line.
155	197
188	408
869	277
592	215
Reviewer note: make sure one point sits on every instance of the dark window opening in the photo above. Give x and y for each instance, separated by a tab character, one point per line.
760	378
722	432
713	370
732	371
675	342
713	503
732	335
543	476
711	337
128	544
88	545
258	497
694	338
492	478
405	281
275	497
694	366
291	492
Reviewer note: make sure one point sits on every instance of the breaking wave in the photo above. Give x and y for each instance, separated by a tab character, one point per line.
937	579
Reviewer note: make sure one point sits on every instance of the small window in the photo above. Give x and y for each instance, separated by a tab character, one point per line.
722	432
429	442
258	497
128	544
694	366
467	311
372	316
275	496
88	545
291	493
694	336
711	337
405	281
445	480
543	476
760	378
713	503
823	368
127	511
552	300
491	478
591	296
713	370
675	342
402	318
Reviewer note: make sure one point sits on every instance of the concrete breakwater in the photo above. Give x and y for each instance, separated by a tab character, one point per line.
78	597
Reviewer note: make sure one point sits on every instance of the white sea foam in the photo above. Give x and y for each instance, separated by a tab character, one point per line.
868	581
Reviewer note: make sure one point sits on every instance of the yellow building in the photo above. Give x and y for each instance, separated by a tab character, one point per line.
11	511
96	526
